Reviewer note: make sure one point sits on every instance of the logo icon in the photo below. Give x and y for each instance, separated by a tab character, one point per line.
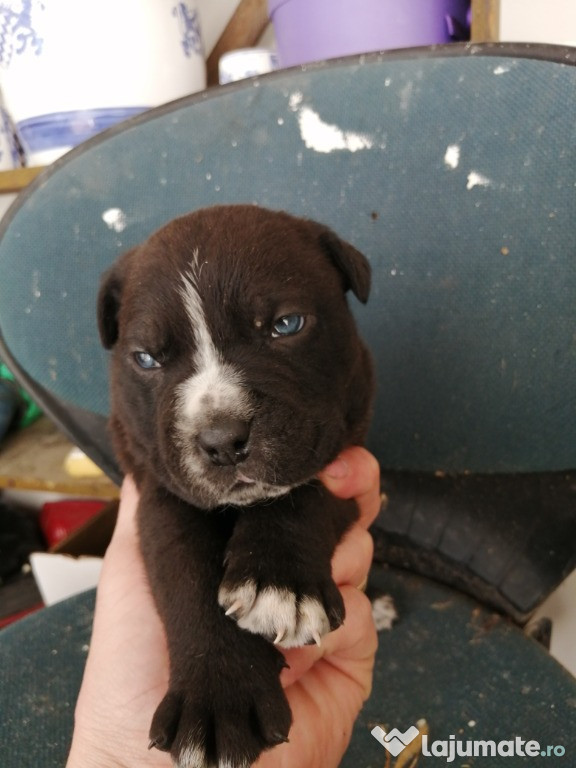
395	741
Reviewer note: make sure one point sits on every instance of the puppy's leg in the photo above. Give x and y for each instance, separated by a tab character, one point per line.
278	580
225	704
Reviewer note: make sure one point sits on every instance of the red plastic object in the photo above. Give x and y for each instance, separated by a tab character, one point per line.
6	620
58	519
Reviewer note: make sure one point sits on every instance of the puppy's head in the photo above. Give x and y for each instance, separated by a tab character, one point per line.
237	371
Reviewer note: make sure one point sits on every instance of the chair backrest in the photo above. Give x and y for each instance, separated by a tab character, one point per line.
452	168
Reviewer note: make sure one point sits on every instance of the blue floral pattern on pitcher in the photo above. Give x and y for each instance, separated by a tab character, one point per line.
17	32
189	28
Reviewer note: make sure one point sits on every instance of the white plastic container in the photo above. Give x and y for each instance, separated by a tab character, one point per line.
246	62
71	68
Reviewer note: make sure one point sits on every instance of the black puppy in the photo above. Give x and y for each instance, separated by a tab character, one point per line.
237	374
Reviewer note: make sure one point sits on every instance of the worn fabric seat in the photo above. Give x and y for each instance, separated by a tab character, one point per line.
452	169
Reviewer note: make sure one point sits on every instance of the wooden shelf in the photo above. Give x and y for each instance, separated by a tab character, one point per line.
17	179
485	21
33	460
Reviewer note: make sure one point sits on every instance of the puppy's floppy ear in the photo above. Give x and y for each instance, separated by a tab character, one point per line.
352	264
109	305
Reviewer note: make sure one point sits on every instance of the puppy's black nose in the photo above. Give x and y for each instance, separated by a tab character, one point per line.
225	442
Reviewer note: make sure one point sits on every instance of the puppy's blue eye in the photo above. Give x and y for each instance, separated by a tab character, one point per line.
288	325
146	361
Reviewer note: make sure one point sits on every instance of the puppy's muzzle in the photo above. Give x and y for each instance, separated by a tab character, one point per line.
225	442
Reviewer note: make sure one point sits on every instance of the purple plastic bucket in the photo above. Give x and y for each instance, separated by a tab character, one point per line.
312	30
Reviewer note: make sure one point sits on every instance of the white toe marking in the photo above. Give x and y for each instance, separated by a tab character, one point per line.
193	756
238	600
276	613
230	764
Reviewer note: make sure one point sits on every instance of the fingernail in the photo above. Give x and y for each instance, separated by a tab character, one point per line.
337	470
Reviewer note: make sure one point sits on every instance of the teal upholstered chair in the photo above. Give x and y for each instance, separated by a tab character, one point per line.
454	170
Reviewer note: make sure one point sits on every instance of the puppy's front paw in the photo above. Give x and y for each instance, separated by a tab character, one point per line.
224	718
287	617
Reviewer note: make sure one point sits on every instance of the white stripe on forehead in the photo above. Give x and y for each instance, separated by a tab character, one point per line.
205	350
215	386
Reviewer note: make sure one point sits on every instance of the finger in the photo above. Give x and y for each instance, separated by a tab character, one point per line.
354	641
126	522
124	550
353	558
355	474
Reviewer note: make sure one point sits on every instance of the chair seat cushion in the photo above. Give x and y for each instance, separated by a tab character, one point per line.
466	671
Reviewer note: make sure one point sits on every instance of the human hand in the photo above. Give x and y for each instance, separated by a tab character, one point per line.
127	668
